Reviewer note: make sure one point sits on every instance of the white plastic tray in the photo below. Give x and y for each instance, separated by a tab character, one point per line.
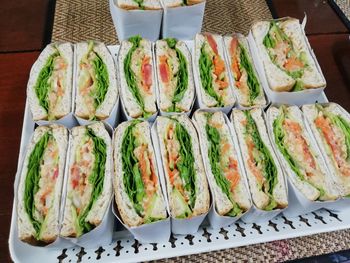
125	248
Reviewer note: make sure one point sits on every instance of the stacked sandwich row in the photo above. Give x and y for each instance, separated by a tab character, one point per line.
154	4
165	171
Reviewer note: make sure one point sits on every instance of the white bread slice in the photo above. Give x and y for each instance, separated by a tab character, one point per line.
310	114
129	102
260	199
132	5
177	3
125	207
105	108
207	99
202	197
321	179
165	100
242	97
100	206
50	229
311	78
223	204
63	106
278	80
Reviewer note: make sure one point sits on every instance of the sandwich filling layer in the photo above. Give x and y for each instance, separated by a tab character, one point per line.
139	174
243	72
86	178
224	167
335	131
284	55
51	83
174	74
180	168
40	181
292	144
260	161
212	71
138	73
93	80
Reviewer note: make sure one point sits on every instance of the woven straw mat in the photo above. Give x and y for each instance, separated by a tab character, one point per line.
344	6
79	20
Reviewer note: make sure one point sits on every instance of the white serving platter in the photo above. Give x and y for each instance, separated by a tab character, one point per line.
125	248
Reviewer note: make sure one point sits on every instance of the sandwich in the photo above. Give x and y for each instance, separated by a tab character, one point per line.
265	177
284	51
299	154
39	191
227	183
186	183
214	86
96	84
174	73
49	88
330	125
178	3
89	182
137	187
139	4
137	83
247	87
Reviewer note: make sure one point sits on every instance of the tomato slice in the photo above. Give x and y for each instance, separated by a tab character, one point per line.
164	69
146	72
212	42
234	59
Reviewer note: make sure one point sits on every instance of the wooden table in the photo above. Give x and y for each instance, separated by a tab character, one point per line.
26	28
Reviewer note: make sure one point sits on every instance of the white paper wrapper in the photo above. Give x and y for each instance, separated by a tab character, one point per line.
101	234
199	104
178	226
256	215
59	243
158	90
174	25
297	98
216	220
127	23
232	79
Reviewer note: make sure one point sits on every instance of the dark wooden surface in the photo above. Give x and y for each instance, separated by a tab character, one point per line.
26	25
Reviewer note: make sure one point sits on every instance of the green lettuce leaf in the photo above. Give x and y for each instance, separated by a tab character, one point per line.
32	180
131	173
213	137
140	4
182	74
253	83
186	163
102	80
96	178
42	86
265	159
130	75
205	69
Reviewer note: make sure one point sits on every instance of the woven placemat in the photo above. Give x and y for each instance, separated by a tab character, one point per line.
79	20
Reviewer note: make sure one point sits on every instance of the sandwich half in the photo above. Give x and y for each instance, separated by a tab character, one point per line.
139	4
285	54
137	188
39	191
177	3
331	127
299	154
49	88
214	85
174	73
265	177
96	83
137	85
227	183
186	183
89	182
247	87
